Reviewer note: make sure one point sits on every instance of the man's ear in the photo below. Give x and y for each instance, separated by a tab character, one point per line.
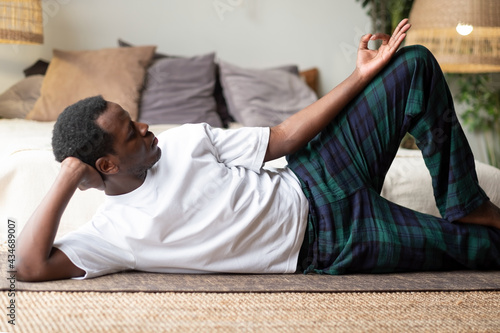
106	165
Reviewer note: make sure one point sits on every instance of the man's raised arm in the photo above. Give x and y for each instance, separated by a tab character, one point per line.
300	128
36	258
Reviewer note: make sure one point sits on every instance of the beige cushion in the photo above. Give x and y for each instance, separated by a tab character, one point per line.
117	74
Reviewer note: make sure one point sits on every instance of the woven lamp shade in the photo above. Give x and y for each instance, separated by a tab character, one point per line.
434	25
21	21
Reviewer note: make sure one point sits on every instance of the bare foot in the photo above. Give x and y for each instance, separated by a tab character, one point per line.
487	214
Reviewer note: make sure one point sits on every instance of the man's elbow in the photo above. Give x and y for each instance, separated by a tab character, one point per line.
32	268
26	272
23	274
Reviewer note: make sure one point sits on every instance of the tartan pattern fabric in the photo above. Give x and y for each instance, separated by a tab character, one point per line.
351	228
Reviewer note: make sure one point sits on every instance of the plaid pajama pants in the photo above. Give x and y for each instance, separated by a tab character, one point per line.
351	228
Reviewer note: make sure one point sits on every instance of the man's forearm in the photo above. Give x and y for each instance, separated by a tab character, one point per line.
301	127
35	243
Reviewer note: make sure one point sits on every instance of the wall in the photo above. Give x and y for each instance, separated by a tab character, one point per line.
251	33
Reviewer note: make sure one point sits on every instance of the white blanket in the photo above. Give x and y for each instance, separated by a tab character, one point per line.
28	170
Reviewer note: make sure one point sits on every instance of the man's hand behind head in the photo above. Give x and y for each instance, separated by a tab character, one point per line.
87	175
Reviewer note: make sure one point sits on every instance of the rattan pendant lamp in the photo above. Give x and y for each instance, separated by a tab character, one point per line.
21	21
464	35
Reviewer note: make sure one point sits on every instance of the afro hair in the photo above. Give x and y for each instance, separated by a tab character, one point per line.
77	134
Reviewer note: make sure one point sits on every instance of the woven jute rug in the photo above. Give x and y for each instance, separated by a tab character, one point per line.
39	312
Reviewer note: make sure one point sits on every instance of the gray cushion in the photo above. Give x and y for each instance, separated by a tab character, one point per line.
18	100
263	97
180	90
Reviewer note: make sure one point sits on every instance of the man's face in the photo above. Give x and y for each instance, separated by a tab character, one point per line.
135	146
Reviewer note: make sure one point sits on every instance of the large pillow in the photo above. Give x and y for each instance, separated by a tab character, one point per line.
19	99
117	74
221	108
263	97
179	91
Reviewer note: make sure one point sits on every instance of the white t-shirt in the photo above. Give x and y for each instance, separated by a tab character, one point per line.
206	206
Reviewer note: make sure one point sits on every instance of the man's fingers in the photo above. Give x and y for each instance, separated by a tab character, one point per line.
401	25
404	24
363	43
399	34
401	29
393	41
384	37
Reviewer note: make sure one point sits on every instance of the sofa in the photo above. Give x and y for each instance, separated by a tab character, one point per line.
164	91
